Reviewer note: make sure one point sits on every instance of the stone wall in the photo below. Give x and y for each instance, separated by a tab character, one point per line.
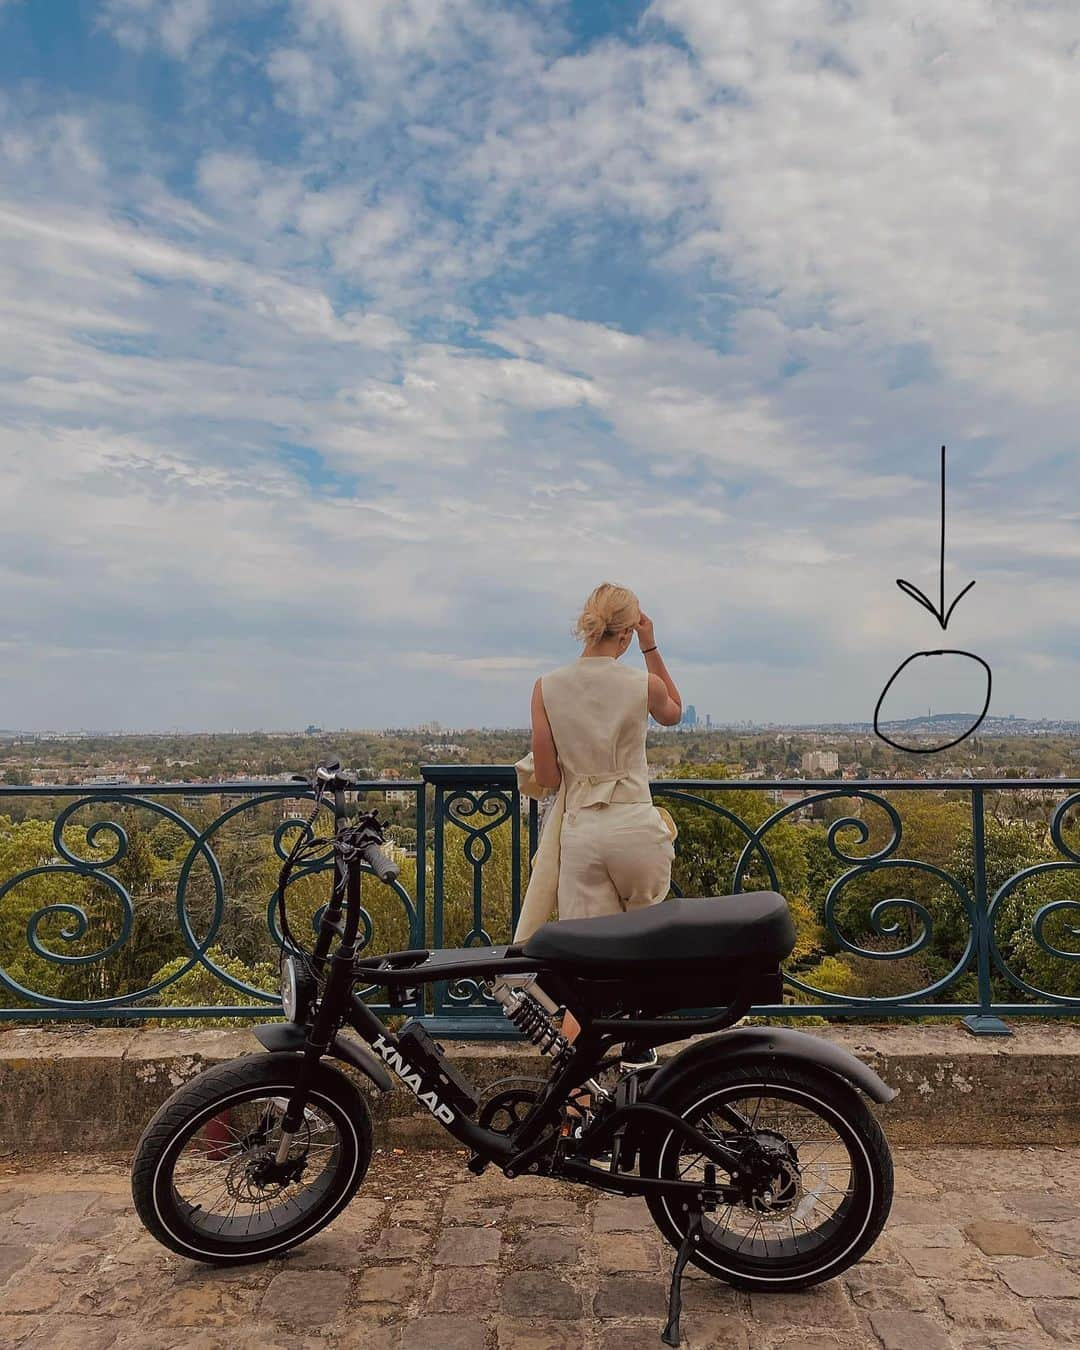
67	1088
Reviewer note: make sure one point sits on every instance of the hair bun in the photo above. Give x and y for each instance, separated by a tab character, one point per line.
610	609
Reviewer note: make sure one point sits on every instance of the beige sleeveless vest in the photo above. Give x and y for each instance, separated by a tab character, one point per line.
599	714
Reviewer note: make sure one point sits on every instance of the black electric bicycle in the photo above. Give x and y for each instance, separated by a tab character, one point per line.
756	1154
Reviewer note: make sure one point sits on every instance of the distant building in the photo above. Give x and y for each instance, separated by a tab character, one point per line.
689	717
820	762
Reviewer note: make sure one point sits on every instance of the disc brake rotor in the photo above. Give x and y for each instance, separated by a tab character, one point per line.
255	1176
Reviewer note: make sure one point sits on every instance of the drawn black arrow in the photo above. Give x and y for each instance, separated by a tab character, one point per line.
939	611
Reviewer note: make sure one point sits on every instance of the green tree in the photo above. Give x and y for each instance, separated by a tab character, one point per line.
201	987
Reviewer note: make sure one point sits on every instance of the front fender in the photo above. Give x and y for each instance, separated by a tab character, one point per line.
288	1036
779	1043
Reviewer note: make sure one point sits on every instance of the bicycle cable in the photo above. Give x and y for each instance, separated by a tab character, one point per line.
348	845
306	843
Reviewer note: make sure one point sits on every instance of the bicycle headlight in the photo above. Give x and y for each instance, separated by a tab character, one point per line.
290	988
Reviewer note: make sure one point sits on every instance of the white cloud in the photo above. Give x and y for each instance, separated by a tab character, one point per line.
908	176
304	86
176	24
182	23
388	39
337	360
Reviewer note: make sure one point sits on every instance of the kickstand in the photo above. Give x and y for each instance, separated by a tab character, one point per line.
689	1242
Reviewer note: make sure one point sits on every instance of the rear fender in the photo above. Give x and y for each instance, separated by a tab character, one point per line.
288	1036
781	1044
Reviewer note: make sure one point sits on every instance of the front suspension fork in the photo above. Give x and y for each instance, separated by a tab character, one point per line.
322	1033
327	1019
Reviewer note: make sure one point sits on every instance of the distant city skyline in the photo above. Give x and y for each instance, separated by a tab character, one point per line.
1005	723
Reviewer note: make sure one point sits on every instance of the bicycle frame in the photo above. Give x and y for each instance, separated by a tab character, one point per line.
622	981
535	1145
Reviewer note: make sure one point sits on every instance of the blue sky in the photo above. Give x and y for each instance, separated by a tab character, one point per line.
344	348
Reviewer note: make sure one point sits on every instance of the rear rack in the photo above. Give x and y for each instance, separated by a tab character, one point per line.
421	966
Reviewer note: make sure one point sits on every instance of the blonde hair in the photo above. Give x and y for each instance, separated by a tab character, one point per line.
608	610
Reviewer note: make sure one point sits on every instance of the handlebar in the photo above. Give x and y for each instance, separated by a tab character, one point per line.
329	778
383	867
354	840
362	837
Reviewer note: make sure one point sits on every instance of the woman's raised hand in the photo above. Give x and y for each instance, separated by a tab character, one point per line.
644	626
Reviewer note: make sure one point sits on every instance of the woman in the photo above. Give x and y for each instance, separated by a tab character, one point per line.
604	847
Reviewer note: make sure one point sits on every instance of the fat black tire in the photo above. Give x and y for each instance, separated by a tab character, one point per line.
214	1091
849	1115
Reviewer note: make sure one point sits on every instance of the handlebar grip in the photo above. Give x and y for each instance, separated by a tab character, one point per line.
380	864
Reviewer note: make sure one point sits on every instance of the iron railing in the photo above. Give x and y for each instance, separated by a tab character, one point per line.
473	839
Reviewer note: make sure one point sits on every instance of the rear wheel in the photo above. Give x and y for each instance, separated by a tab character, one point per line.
815	1175
206	1183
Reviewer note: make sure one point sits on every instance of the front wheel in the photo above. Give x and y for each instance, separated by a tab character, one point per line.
814	1176
205	1180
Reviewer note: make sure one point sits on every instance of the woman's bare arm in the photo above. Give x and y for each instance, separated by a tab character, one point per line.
545	759
665	702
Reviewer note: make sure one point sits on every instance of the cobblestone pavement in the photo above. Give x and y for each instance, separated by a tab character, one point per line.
982	1250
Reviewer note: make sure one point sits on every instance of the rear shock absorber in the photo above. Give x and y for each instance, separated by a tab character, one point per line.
530	1009
531	1018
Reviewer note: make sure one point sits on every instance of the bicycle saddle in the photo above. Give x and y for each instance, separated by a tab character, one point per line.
754	930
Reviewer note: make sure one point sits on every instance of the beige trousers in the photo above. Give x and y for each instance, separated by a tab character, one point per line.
612	858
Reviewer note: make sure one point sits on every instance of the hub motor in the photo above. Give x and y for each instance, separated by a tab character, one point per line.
770	1176
263	1177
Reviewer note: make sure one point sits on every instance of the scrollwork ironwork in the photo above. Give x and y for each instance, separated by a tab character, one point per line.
1069	863
472	804
477	812
111	834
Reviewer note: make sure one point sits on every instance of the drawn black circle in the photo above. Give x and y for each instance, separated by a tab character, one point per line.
933	749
